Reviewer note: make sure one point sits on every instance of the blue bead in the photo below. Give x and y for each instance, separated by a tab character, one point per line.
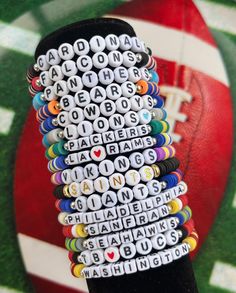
160	140
181	218
37	102
155	76
45	141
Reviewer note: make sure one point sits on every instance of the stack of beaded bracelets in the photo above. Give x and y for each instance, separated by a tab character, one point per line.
119	191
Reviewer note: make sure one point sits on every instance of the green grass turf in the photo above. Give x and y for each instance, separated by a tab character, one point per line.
220	243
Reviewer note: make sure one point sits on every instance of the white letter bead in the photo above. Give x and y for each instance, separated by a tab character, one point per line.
65	51
144	246
45	79
154	187
81	47
116	121
114	239
112	42
130	266
140	191
121	164
90	171
106	76
49	93
131	118
84	63
97	256
134	74
132	177
121	74
146	173
55	73
90	79
125	42
98	94
42	63
94	202
118	269
158	241
128	89
63	119
91	111
148	102
154	260
150	156
136	45
101	184
136	160
67	102
76	115
145	74
110	214
171	237
100	125
128	250
86	187
166	256
108	108
123	105
115	58
81	204
74	189
106	270
97	44
112	254
70	132
106	167
113	91
109	199
100	60
125	195
74	83
176	252
52	57
77	174
85	128
102	241
85	256
129	59
117	181
69	68
136	103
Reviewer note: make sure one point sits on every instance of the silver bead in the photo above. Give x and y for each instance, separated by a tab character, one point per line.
72	205
85	229
42	97
153	115
149	128
139	57
169	208
180	233
54	122
79	258
177	220
154	141
85	245
154	102
67	161
38	83
36	67
61	134
66	146
163	184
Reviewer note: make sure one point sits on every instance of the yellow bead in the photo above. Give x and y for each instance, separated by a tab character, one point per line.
167	152
77	270
174	205
80	230
51	153
167	138
164	125
156	170
191	242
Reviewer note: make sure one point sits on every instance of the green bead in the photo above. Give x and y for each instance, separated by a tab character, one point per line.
189	211
47	155
58	148
156	126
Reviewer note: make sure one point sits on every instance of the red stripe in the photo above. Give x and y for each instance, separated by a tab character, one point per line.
178	14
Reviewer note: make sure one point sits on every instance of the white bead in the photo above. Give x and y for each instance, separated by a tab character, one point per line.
147	204
100	60
108	137
113	91
134	74
121	164
90	171
101	184
45	79
132	132
84	63
106	270
109	199
94	202
86	187
66	176
76	115
112	149
100	125
117	181
91	111
72	145
146	173
121	74
85	128
117	269
126	236
128	89
97	44
171	223
144	116
55	73
97	256
136	103
77	174
49	93
125	42
81	204
90	79
145	74
87	218
140	191
148	102
158	242
107	108
136	160
98	153
70	132
115	58
136	45
144	246
154	260
74	189
129	59
127	250
63	119
125	146
131	118
116	121
132	177
147	141
82	98
142	130
166	256
135	207
106	76
130	266
176	252
114	239
99	217
85	256
150	230
106	167
110	214
112	42
125	195
112	254
157	200
102	241
61	218
96	139
98	94
123	105
138	233
83	143
150	156
69	68
52	57
142	263
74	83
67	102
81	47
66	51
42	63
154	187
172	237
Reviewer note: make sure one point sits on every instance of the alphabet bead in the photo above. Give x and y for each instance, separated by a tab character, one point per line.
81	47
97	44
65	51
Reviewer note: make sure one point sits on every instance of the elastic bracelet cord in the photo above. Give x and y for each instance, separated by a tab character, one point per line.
118	186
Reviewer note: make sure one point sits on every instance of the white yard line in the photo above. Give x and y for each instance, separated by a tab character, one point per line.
49	262
7	290
6	119
218	16
224	276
